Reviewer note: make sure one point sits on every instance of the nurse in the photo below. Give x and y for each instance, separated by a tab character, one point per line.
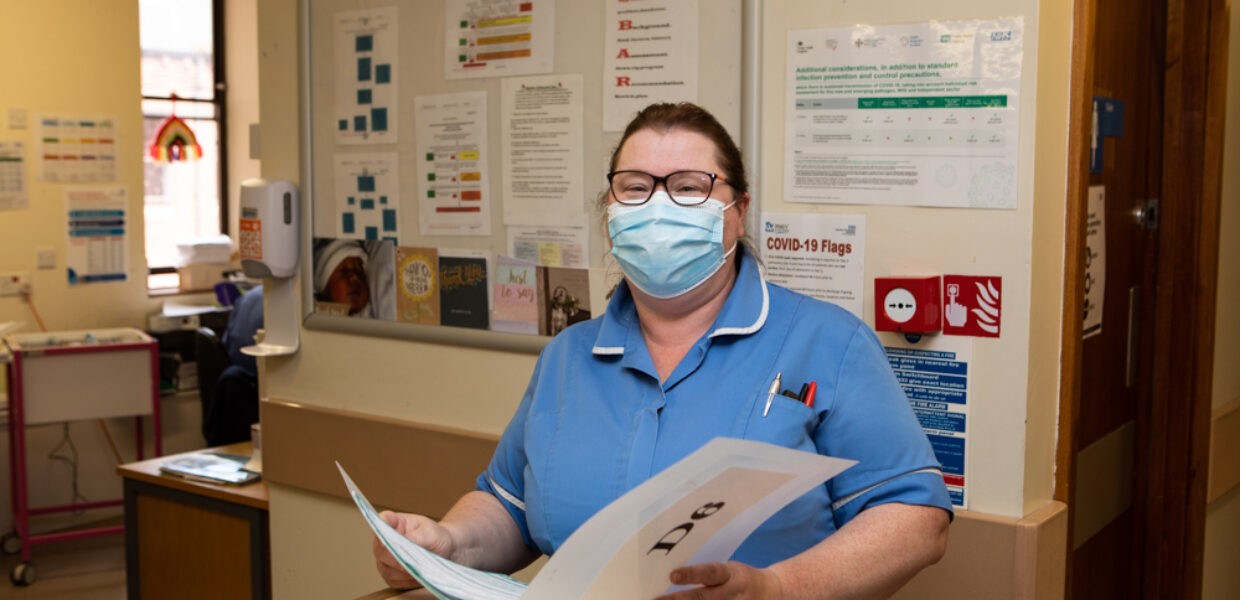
685	352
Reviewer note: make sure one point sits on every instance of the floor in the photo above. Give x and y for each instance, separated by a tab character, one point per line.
88	569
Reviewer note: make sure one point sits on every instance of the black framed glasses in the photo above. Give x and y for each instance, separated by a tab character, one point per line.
687	188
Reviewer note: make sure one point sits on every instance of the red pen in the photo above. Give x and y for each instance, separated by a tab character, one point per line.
809	394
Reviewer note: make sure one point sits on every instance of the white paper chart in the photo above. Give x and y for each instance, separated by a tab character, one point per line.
368	197
493	38
13	193
453	179
366	86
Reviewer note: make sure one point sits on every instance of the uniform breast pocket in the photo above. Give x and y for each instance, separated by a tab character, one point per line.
789	423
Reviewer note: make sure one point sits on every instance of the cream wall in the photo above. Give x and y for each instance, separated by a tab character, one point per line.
1222	544
319	545
1014	378
241	70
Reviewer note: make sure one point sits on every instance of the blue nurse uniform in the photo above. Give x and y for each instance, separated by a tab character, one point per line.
596	422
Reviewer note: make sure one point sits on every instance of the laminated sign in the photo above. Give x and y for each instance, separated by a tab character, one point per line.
972	305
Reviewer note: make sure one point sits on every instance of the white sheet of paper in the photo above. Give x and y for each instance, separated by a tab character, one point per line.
1095	261
14	192
98	230
551	246
493	38
541	120
454	184
368	196
366	61
650	54
443	578
819	255
925	114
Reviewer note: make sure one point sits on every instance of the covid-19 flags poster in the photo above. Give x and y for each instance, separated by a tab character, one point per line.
819	255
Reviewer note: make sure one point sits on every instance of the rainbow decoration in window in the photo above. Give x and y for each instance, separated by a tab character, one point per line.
175	140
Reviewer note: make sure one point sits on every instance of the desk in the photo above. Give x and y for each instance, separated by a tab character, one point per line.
185	539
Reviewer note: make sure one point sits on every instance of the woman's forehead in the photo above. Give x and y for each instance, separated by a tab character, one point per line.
663	151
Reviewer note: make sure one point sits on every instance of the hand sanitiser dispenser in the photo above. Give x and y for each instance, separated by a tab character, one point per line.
269	244
268	228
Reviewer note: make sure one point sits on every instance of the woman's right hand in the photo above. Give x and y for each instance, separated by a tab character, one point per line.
423	531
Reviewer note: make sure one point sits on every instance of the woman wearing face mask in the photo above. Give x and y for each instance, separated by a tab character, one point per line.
686	352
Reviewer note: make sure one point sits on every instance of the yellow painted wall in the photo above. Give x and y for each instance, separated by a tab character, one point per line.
1222	545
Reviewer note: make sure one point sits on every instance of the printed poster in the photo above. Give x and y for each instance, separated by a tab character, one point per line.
541	119
516	296
916	115
650	54
495	38
452	156
75	149
354	278
1095	261
368	196
365	71
934	373
417	285
818	255
14	193
551	246
98	234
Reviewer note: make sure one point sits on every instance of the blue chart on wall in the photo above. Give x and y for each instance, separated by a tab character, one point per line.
367	197
365	70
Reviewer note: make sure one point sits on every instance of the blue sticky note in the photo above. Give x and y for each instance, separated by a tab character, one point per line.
378	119
343	125
382	199
359	123
364	43
352	201
389	220
372	233
346	222
365	183
363	96
388	238
363	69
383	73
368	203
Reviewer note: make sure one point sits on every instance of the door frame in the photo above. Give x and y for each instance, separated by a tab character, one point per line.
1172	505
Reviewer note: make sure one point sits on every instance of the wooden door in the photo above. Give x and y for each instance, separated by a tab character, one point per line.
1127	79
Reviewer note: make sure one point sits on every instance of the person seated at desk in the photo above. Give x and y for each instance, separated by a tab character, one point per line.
686	351
234	403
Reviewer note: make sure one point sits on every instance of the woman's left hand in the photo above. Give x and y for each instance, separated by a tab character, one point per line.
724	580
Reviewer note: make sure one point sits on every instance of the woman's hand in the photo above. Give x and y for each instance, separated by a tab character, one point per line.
724	580
424	532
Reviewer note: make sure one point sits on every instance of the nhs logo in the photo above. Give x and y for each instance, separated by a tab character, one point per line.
1001	36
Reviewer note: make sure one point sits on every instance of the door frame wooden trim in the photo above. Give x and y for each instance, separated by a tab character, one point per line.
1173	508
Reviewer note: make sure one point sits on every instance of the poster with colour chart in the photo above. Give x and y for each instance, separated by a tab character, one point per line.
498	38
75	149
913	115
934	373
366	86
368	197
97	250
452	156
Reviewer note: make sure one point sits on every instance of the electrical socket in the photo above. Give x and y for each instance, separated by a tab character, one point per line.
13	284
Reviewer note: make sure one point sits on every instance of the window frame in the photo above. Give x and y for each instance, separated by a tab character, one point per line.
219	97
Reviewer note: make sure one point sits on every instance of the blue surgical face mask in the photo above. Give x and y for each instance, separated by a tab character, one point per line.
666	249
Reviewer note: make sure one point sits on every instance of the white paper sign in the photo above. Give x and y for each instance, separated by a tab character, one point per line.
551	246
818	255
1095	261
541	120
13	191
97	250
453	178
365	70
650	54
368	197
921	115
491	38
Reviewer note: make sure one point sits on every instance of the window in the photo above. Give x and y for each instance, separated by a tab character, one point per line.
182	74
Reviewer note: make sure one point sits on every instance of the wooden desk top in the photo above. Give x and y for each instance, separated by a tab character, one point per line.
391	594
254	494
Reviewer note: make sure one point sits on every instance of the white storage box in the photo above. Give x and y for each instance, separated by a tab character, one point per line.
80	375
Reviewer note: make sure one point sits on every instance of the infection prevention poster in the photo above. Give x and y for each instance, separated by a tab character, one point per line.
916	115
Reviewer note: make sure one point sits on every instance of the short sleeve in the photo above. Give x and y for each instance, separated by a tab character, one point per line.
504	478
869	420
